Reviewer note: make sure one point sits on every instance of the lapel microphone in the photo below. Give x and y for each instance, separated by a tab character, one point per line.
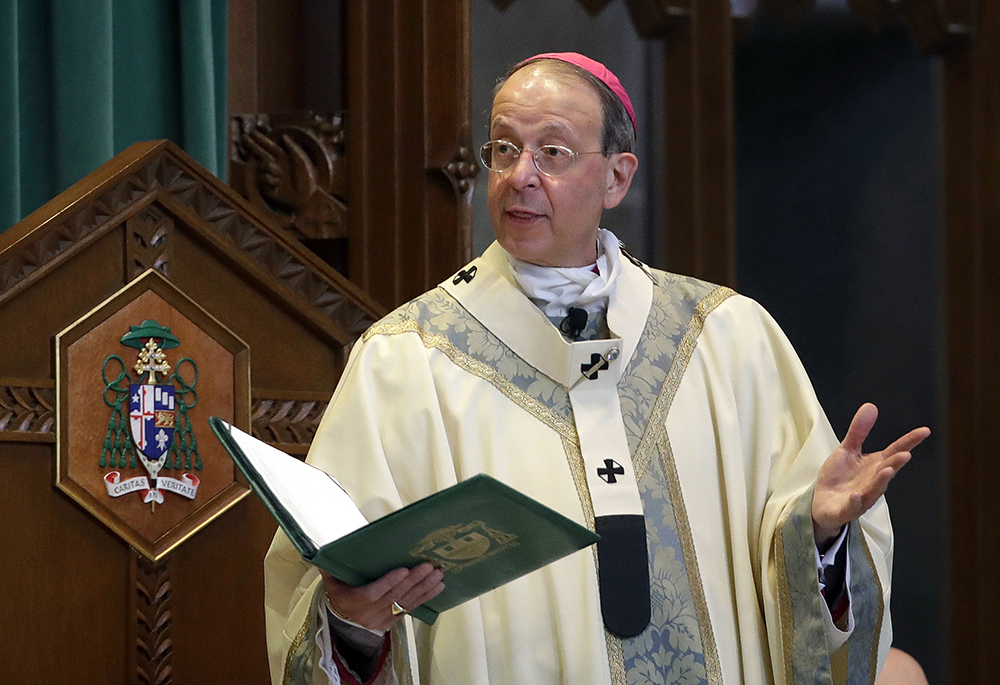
574	323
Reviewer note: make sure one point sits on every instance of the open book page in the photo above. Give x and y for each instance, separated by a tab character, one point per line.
323	509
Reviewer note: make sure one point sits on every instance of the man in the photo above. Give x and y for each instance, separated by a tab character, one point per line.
617	395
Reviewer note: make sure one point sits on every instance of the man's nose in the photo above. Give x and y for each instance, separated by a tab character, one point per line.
523	173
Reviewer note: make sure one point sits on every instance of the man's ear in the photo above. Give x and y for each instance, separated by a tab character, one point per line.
620	175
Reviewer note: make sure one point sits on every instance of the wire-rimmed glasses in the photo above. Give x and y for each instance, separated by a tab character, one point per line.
551	160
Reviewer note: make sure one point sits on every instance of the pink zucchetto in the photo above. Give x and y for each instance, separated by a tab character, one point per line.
598	70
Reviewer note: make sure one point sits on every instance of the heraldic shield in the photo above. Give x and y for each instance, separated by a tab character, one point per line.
152	422
151	417
156	366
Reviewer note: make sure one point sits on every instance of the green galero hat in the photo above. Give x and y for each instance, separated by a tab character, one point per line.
137	335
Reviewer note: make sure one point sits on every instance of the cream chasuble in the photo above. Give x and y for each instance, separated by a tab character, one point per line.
719	429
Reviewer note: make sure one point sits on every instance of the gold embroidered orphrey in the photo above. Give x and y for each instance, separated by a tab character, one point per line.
458	547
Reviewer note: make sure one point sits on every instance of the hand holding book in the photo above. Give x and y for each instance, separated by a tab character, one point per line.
371	605
480	533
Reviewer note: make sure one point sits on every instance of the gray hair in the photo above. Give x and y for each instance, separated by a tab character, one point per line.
617	132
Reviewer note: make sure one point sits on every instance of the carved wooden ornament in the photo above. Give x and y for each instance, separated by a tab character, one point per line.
136	380
292	167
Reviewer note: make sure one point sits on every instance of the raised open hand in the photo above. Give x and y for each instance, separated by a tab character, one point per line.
850	481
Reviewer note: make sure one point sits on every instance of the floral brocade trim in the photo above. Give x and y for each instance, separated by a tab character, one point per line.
656	427
787	623
713	666
806	659
302	658
881	608
482	370
803	646
654	439
293	650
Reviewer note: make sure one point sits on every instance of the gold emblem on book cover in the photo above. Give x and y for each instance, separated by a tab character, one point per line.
455	548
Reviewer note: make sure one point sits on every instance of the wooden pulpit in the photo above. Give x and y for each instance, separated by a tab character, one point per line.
141	301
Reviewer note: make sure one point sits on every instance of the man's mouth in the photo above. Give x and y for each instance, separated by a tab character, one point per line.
520	214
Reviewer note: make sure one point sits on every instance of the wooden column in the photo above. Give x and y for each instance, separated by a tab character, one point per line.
699	235
411	166
971	108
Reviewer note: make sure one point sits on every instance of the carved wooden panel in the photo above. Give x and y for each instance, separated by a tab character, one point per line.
27	411
292	167
87	607
152	621
100	374
36	255
148	242
290	272
410	158
287	421
404	222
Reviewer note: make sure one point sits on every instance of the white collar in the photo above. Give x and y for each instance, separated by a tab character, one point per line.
493	297
555	289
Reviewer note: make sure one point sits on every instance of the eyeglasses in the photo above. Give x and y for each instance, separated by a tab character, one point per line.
551	160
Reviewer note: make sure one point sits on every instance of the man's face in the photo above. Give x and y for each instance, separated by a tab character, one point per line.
537	218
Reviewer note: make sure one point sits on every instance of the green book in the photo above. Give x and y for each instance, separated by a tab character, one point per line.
480	532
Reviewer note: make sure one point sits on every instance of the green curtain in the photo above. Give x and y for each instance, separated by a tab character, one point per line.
81	80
